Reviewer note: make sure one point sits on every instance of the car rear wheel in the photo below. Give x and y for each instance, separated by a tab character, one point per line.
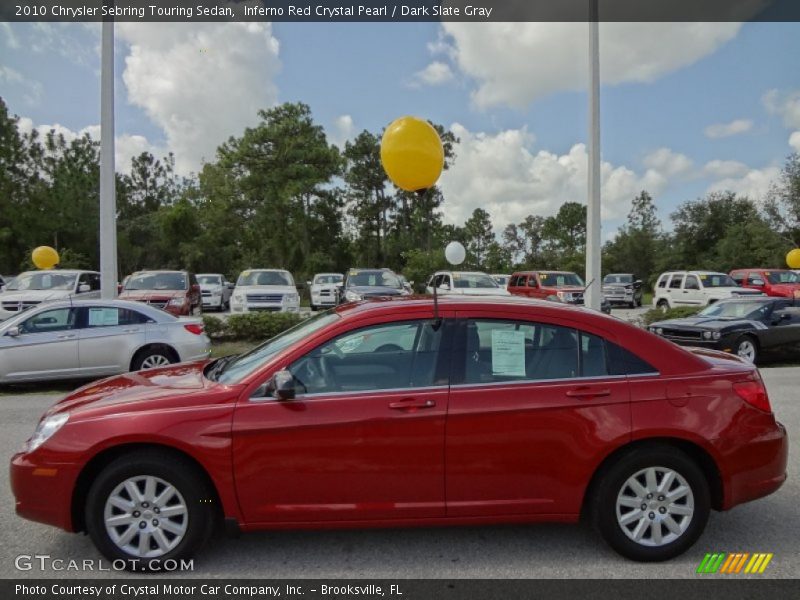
153	358
149	506
663	306
747	348
652	504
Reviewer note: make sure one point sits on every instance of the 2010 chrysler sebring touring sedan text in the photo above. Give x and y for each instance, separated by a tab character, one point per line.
379	413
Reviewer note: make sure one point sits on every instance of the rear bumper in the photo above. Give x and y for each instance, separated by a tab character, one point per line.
42	490
757	468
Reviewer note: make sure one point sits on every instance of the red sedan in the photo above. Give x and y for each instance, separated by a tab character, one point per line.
381	414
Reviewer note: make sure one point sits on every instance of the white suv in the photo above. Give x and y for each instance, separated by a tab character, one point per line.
265	290
695	288
34	287
324	289
465	283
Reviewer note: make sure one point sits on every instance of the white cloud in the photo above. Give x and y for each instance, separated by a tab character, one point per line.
787	106
723	130
516	63
343	130
755	183
200	82
126	147
500	173
794	141
8	35
31	90
725	169
668	163
436	73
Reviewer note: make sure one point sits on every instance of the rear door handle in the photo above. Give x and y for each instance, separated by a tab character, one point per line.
588	392
412	404
66	337
134	330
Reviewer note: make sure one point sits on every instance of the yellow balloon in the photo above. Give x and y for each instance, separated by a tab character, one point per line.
793	259
44	257
412	154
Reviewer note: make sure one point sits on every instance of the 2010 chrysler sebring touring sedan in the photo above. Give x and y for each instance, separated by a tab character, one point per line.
378	413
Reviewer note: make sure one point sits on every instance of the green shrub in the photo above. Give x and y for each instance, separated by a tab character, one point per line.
257	326
655	314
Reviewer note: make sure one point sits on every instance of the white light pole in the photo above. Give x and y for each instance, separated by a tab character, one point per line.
108	193
594	292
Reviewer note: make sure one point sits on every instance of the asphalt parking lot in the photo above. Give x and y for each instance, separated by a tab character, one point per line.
535	551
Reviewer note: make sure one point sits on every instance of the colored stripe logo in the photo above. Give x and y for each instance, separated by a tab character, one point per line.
734	563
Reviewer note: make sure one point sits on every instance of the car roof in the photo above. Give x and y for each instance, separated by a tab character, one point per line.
266	270
780	270
63	271
543	271
129	304
159	271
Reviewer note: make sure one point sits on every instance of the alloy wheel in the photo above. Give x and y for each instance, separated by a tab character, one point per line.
146	517
655	506
154	361
746	350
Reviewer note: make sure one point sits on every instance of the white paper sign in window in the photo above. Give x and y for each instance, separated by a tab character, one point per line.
508	353
103	317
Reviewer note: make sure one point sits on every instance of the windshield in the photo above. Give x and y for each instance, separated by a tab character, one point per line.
560	280
209	279
243	365
776	277
618	279
373	279
737	310
156	281
712	280
46	280
265	278
323	279
473	281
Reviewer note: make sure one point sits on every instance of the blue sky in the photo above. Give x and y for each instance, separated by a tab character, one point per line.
685	108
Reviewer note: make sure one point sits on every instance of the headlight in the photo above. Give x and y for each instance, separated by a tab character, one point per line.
716	335
238	298
659	331
707	335
291	298
177	301
562	295
351	296
45	430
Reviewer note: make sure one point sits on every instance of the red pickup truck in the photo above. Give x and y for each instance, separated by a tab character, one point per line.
773	282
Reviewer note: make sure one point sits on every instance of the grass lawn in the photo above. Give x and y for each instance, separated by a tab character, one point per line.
225	348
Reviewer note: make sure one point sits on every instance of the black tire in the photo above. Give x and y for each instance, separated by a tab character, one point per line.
609	486
174	470
313	308
663	305
740	345
153	352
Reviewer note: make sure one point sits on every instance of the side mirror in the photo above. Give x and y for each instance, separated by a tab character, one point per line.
83	288
444	286
308	283
13	332
281	386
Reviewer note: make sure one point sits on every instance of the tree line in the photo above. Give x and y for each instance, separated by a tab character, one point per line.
281	195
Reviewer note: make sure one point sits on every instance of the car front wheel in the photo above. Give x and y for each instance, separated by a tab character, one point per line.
747	348
652	504
149	506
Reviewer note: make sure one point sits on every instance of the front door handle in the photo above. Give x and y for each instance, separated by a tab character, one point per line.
66	337
588	392
412	404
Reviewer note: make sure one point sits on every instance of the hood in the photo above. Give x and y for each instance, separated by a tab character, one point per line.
211	286
565	288
374	290
144	295
697	323
266	289
481	292
786	289
35	295
170	387
733	291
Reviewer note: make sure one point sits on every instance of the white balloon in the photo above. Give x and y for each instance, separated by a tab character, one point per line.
455	253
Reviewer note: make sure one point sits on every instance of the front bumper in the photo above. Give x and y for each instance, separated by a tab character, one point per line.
258	307
43	489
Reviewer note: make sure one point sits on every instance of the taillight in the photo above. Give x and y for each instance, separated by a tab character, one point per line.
754	393
195	328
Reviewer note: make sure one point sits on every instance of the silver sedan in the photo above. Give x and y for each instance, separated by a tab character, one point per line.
86	339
